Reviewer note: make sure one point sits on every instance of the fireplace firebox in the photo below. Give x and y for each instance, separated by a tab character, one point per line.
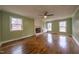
38	30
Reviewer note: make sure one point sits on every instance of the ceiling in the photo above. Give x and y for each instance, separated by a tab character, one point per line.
34	11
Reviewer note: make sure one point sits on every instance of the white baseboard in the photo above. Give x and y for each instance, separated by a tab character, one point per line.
15	39
75	40
39	33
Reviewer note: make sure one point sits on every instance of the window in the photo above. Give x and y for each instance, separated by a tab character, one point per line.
16	24
62	26
49	26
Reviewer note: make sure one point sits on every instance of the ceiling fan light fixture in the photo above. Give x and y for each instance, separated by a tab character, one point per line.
45	16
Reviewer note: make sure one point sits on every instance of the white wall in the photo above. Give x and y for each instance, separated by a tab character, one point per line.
37	23
40	23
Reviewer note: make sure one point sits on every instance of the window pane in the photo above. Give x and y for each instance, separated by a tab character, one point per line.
62	23
16	24
49	26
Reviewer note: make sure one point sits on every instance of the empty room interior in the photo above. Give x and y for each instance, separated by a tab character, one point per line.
39	29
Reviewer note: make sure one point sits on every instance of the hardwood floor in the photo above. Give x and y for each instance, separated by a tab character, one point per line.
46	43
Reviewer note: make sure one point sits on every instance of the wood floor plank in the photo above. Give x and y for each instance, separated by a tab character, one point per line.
47	43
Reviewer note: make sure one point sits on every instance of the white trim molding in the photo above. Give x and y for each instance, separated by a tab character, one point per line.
75	11
75	40
15	39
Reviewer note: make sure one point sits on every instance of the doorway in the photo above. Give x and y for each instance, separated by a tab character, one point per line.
49	26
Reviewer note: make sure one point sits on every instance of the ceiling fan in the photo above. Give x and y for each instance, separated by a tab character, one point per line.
46	14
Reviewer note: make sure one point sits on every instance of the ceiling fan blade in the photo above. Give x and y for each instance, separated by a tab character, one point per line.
50	15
